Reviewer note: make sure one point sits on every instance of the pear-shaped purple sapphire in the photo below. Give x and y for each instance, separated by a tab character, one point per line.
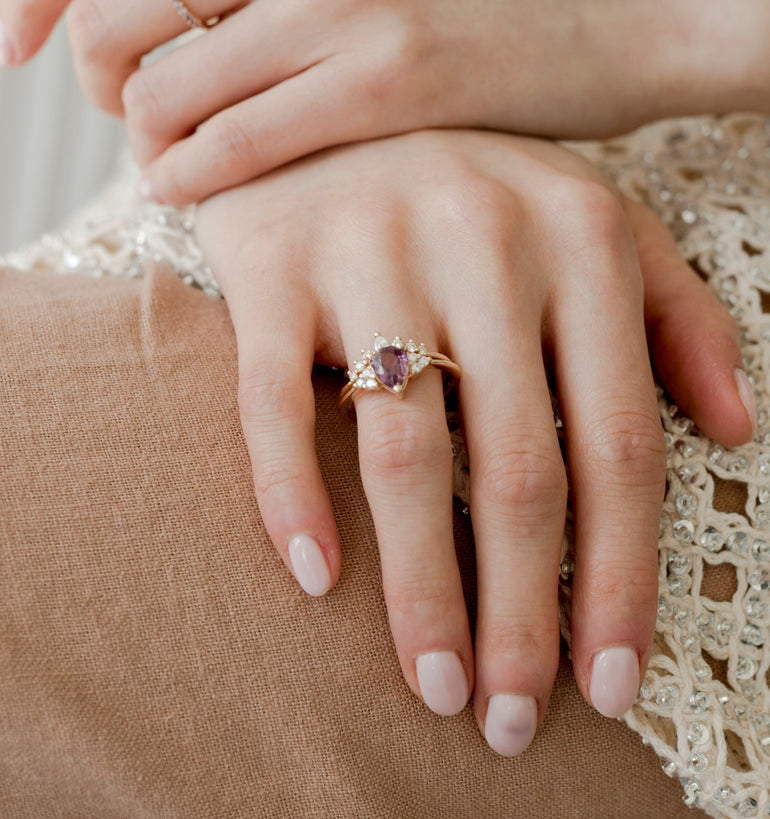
391	366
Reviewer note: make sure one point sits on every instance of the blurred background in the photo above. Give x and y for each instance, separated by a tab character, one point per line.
55	150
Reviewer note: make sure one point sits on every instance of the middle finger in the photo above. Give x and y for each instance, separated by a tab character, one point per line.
406	467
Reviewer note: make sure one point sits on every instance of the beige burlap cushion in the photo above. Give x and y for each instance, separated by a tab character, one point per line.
156	658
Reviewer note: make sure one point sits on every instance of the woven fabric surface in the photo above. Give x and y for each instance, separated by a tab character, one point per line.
157	660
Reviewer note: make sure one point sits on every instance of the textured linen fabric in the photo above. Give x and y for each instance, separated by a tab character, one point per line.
157	659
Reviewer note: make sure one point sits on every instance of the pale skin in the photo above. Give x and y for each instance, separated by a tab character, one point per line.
281	79
499	251
510	252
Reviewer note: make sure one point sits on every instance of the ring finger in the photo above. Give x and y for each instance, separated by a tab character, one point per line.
406	466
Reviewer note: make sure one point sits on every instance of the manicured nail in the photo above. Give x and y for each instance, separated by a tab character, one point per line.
614	680
511	723
443	683
6	49
746	393
310	566
146	190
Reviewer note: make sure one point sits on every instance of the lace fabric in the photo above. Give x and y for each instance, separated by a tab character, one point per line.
704	705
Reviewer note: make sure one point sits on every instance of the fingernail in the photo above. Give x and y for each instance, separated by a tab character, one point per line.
511	723
309	564
746	392
6	49
146	190
443	683
614	680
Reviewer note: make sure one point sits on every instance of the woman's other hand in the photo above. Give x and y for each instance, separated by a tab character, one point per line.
280	79
504	254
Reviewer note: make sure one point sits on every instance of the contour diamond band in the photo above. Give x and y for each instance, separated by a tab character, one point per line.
191	19
390	366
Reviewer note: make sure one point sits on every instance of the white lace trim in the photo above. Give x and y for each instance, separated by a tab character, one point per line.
705	703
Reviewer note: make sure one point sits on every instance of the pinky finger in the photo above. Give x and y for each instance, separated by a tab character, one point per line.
693	338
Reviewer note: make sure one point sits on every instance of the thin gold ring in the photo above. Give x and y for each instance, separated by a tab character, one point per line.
192	20
390	366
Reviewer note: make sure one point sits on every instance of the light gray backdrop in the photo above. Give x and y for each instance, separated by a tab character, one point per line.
55	150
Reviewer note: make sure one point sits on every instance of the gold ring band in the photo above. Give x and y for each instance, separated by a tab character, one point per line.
390	366
192	20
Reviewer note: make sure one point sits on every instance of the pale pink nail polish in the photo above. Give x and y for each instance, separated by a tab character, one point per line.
511	723
746	393
6	49
309	565
146	190
614	680
443	683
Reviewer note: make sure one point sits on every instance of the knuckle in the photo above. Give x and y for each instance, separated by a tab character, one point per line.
522	632
266	396
630	447
591	212
402	47
524	479
470	206
627	588
142	104
402	443
234	144
93	38
372	216
272	475
421	597
266	402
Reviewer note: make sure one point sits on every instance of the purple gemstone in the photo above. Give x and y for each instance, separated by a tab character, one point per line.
391	366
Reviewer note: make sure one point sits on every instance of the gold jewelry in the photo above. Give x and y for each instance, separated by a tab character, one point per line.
391	365
191	19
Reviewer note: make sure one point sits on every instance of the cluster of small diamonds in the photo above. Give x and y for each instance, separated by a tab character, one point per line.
362	373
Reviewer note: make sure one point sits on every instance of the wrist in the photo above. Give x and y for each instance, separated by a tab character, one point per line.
716	58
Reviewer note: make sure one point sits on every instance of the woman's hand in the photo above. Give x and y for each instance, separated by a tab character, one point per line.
281	79
502	253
